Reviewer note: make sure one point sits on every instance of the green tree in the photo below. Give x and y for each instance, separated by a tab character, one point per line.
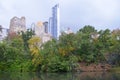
67	44
26	36
88	29
114	48
104	38
89	47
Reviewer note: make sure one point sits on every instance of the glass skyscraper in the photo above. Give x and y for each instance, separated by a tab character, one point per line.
54	22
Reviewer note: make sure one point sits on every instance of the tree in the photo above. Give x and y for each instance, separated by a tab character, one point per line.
26	36
113	57
9	55
17	42
104	38
89	47
34	45
67	44
88	29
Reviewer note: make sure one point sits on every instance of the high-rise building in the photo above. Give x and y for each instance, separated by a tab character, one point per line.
50	26
41	29
45	24
17	24
54	22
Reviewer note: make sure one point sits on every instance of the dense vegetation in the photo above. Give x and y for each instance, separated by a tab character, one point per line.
25	52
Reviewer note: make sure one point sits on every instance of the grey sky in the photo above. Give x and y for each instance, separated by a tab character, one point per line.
75	14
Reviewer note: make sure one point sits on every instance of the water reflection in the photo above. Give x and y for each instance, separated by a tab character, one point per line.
60	76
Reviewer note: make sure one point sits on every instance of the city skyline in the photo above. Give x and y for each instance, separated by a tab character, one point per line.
75	14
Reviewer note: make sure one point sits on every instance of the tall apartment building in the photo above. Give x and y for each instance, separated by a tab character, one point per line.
54	22
41	30
17	24
45	26
50	26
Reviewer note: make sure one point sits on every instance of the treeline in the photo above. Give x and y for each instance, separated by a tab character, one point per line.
25	52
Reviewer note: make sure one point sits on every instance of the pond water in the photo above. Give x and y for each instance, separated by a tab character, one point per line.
60	76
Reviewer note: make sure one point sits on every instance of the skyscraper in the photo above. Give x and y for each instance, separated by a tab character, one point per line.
45	27
54	22
50	26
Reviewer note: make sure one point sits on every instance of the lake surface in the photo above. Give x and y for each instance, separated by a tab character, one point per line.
60	76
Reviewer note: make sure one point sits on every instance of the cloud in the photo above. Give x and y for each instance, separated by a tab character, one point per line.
7	5
107	8
99	13
73	12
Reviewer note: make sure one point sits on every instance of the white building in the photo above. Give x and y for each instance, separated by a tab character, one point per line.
40	32
69	31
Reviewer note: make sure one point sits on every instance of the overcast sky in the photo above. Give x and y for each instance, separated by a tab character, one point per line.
75	14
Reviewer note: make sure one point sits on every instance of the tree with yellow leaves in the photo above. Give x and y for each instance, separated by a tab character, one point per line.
34	45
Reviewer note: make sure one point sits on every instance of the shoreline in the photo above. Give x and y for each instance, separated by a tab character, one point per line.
83	67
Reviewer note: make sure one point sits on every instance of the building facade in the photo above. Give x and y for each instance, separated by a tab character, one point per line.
45	24
69	31
17	24
50	26
41	29
54	22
